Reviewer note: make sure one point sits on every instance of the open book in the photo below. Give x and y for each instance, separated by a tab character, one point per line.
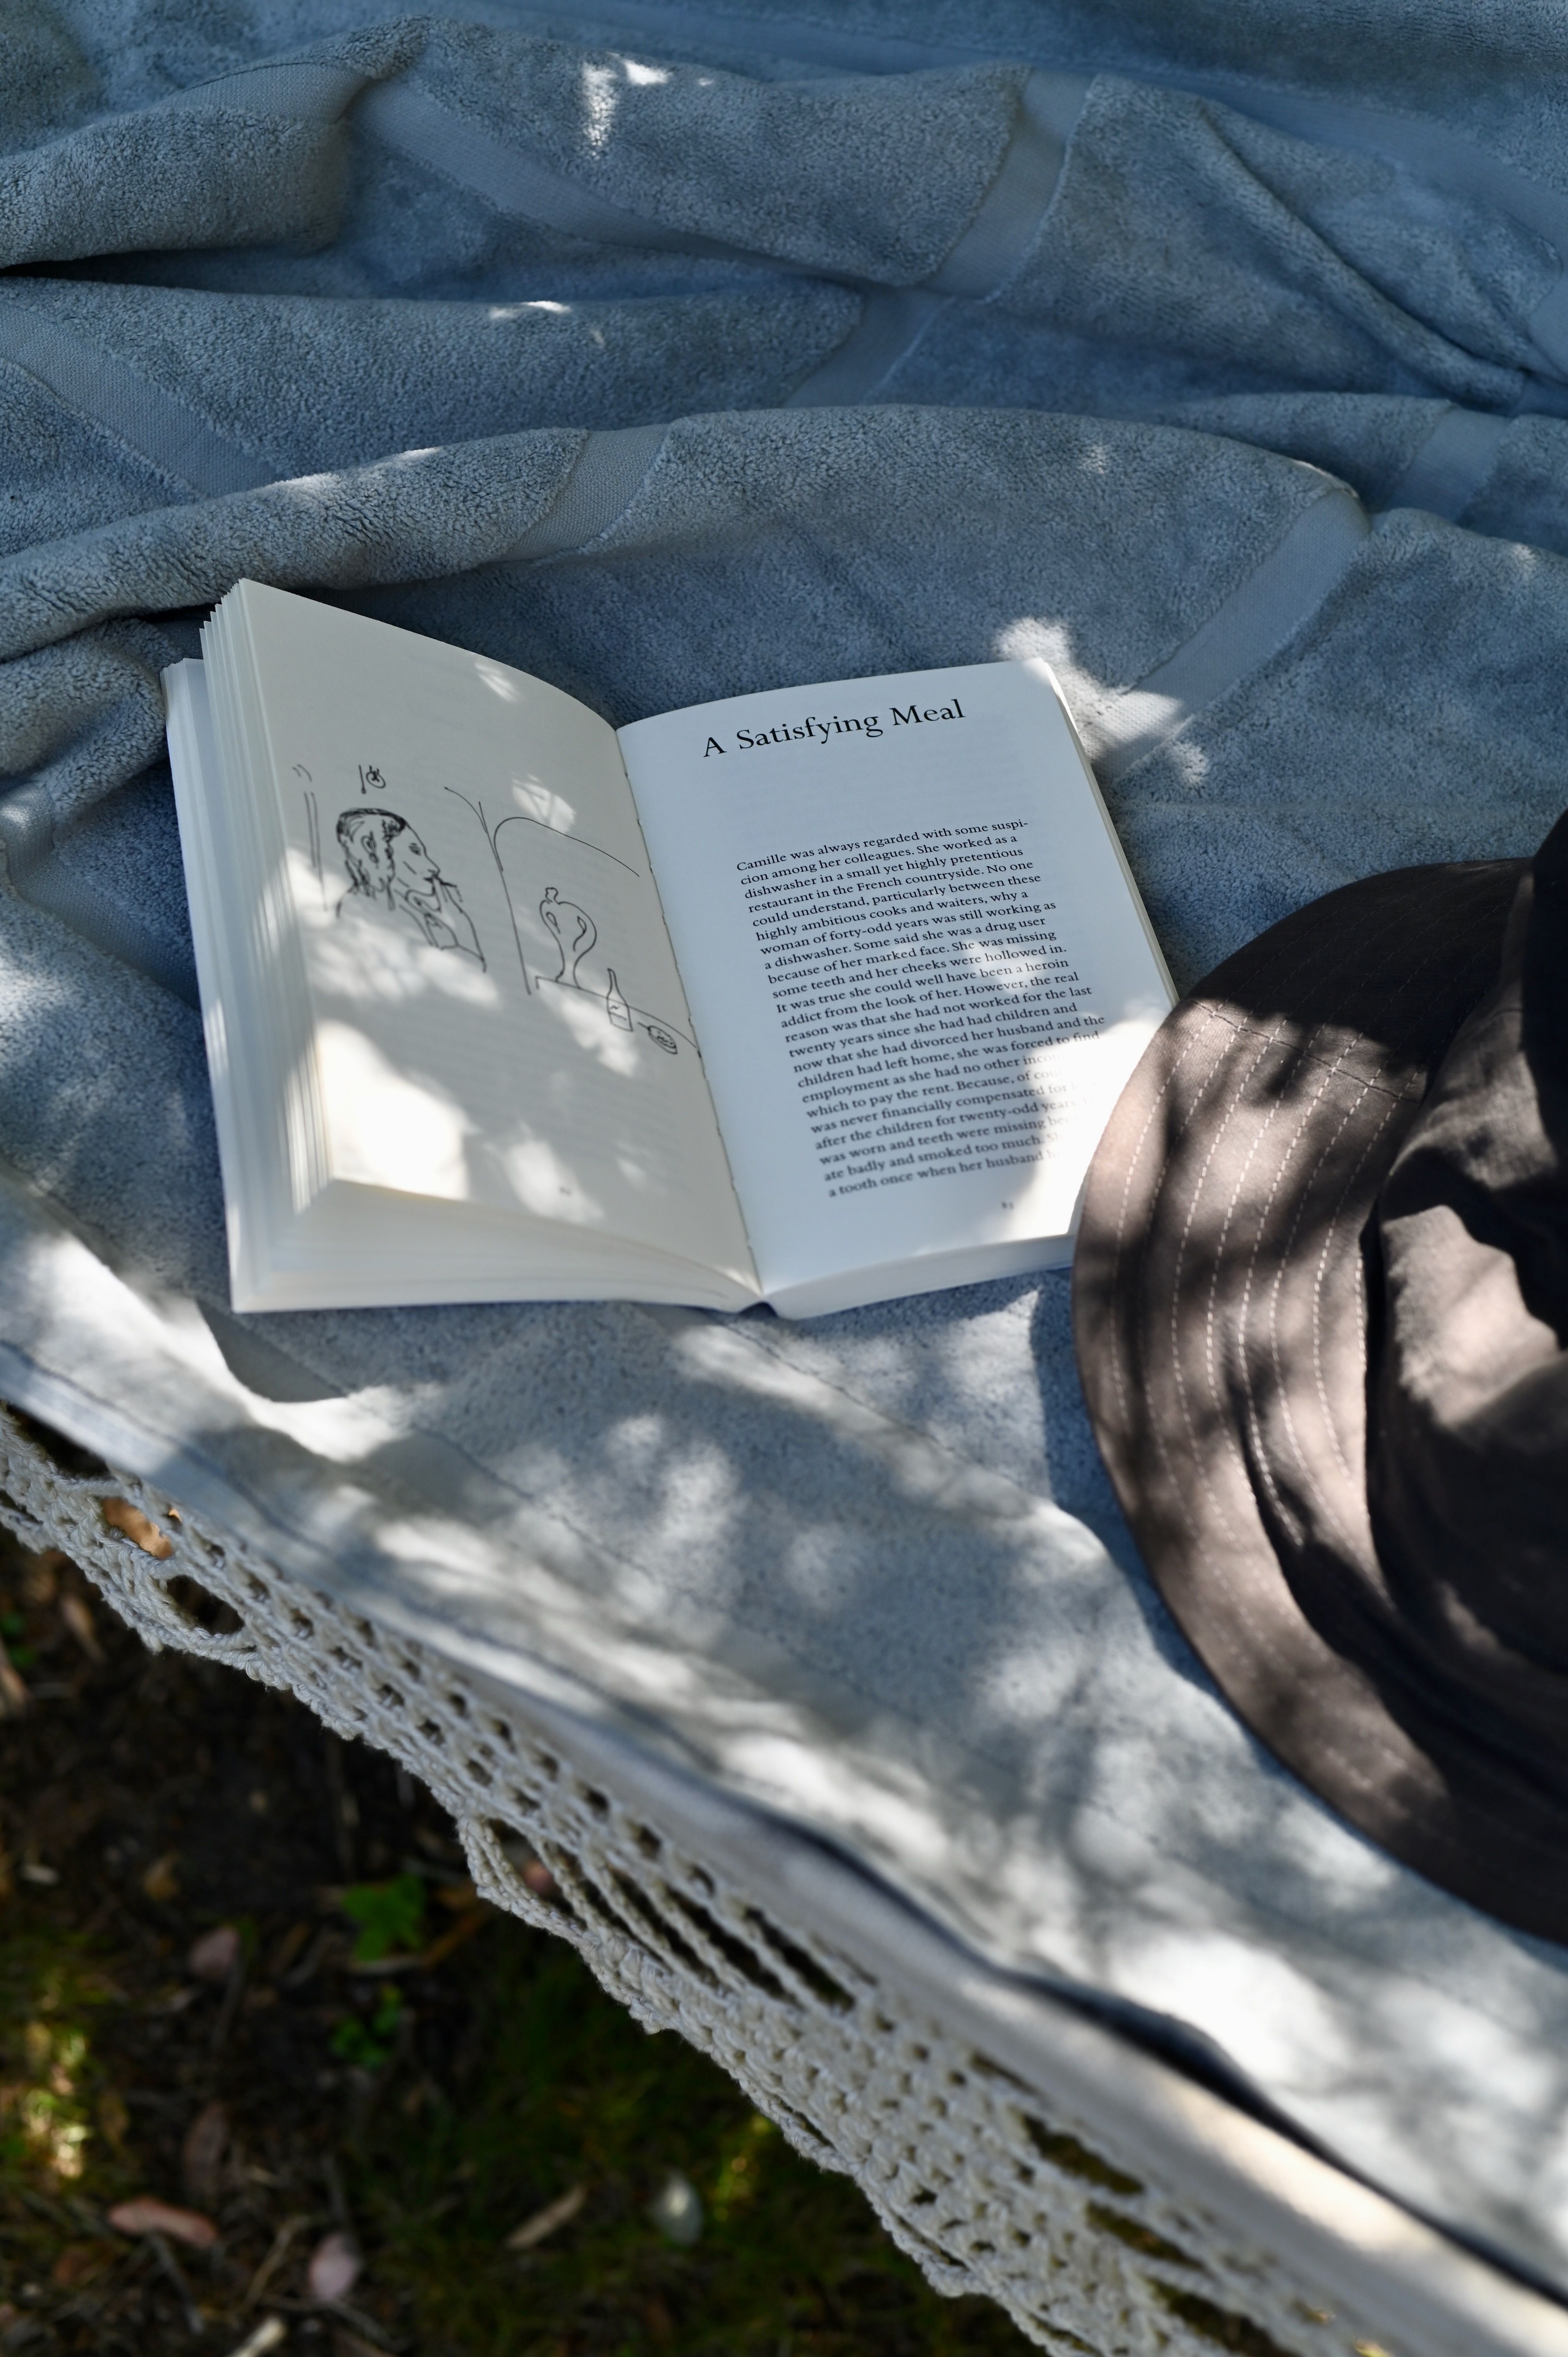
811	997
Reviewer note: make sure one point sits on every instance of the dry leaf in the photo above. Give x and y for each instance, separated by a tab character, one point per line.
73	1611
333	2268
161	1881
201	2154
120	1515
545	2221
286	1953
13	1692
215	1955
173	2001
40	1573
146	2216
77	2264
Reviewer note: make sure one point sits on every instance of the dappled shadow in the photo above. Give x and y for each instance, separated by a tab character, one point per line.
864	1572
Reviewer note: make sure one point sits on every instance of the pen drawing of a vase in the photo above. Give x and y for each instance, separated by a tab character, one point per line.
575	931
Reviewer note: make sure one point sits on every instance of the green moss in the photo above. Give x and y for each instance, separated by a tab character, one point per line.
49	2078
391	1915
392	2059
570	2093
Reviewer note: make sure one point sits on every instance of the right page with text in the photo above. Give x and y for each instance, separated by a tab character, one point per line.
915	959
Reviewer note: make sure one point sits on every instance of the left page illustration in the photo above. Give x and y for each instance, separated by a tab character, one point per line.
497	1016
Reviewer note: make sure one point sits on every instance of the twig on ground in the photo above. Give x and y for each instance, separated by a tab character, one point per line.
195	2323
13	1693
267	2334
473	1920
545	2221
275	2255
233	1990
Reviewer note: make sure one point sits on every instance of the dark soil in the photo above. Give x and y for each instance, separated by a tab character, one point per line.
278	2089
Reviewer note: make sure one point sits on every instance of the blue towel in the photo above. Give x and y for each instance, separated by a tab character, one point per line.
1220	356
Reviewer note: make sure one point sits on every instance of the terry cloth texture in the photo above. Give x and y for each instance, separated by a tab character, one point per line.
1220	356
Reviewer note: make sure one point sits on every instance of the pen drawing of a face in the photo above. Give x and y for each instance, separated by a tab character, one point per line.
388	864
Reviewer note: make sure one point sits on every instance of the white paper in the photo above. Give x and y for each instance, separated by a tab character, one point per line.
913	955
498	1017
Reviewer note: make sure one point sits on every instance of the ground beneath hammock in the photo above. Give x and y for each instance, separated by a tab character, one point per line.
197	1889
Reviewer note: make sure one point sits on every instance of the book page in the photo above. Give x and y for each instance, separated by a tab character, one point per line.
916	959
498	1018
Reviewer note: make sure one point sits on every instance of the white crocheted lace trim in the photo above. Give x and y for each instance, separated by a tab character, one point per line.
984	2180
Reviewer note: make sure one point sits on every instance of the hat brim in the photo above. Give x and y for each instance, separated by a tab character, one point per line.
1220	1311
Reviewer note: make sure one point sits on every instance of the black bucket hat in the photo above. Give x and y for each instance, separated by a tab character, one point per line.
1321	1302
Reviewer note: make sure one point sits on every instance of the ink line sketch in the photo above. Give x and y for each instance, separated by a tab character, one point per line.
313	821
575	931
616	1006
575	934
522	818
389	866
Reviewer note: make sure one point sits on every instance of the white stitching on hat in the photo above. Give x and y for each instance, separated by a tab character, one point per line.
1318	1495
1195	1190
1320	1384
1192	1044
1353	1773
1381	1751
